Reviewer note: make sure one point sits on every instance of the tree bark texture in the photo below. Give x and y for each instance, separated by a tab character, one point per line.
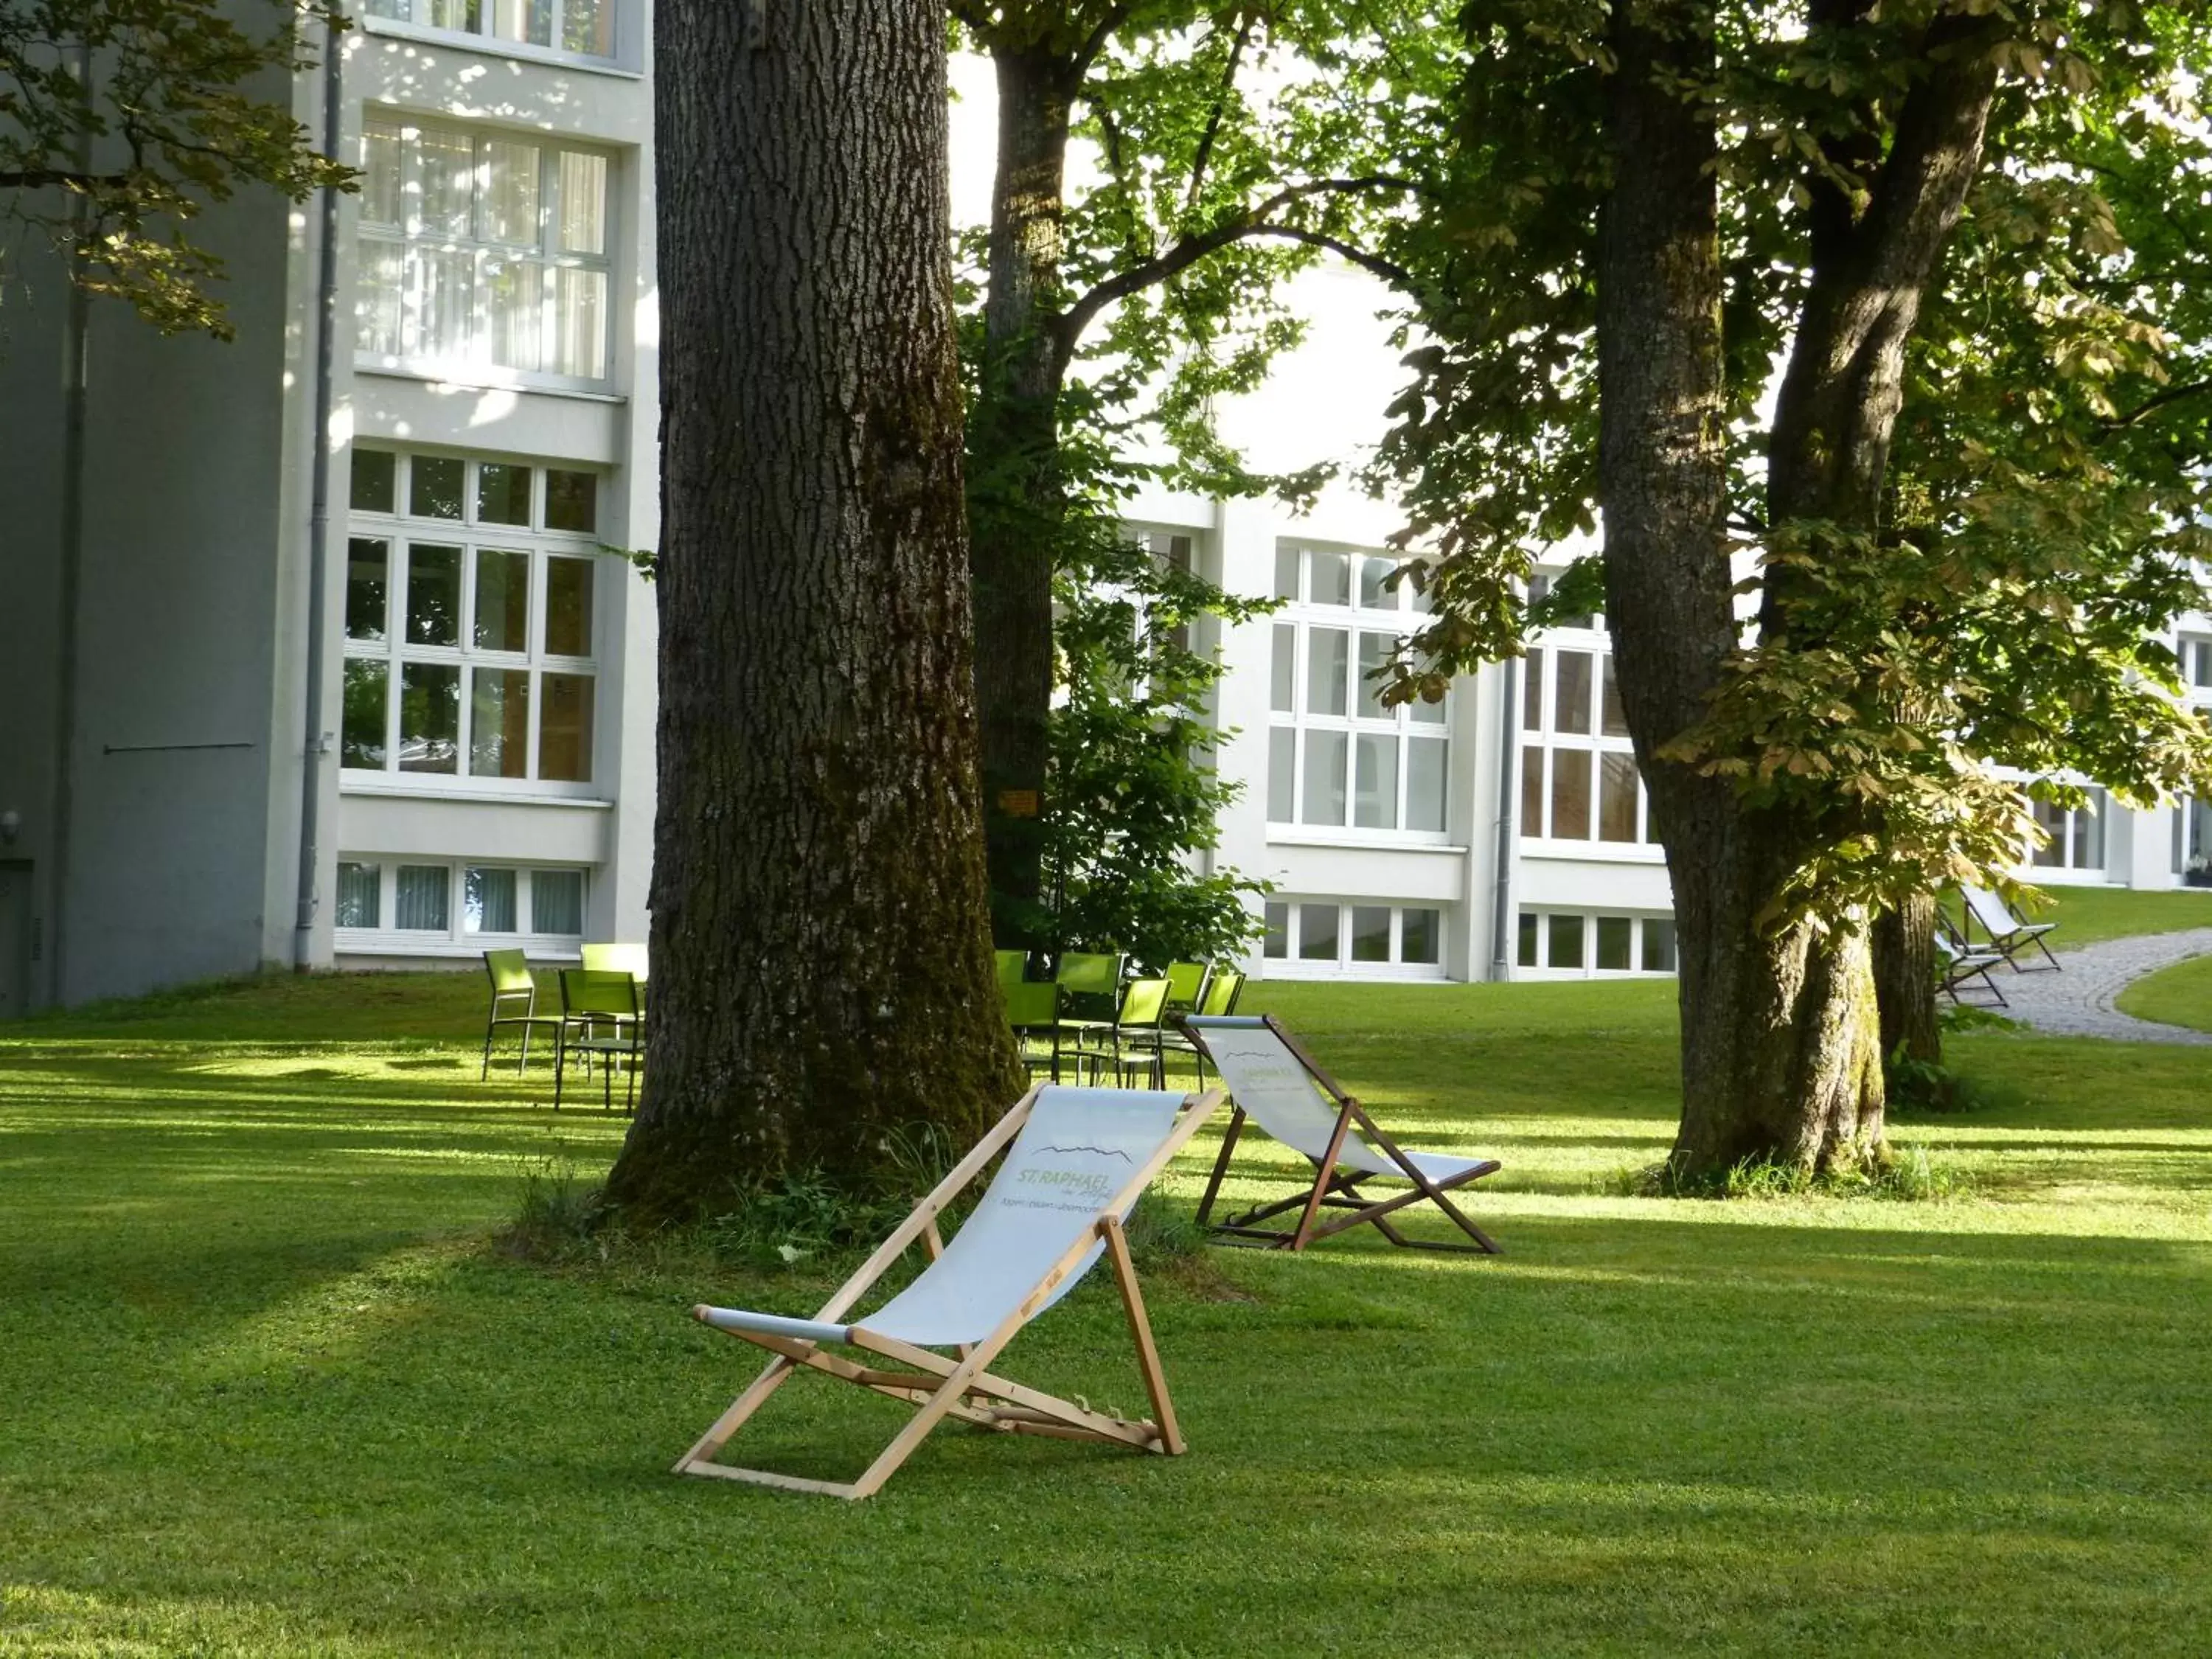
1778	1029
821	959
1018	506
1905	979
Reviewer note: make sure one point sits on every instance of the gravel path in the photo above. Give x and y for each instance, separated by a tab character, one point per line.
2078	1002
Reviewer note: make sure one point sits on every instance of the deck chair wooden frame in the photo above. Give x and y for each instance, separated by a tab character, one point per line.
1336	1186
964	1387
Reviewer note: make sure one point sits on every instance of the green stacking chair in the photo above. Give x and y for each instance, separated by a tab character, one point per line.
601	1018
1089	989
1013	967
1187	985
1131	1041
1031	1007
514	1002
1223	987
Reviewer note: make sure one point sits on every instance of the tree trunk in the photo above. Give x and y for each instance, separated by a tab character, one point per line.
1836	415
1016	503
1905	979
1778	1028
821	970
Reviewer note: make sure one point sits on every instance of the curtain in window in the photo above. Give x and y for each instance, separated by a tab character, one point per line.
423	892
557	902
488	905
360	895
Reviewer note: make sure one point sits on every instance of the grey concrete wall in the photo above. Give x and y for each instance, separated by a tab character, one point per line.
176	628
31	314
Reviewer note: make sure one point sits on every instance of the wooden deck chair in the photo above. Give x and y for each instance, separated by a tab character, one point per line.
1276	1084
2008	935
1076	1162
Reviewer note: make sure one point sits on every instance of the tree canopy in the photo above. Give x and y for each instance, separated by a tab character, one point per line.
122	120
2046	488
1856	327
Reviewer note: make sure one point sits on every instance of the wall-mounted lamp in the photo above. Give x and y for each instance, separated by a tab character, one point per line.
11	825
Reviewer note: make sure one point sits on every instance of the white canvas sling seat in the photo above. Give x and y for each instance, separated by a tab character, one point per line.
1275	1083
1959	967
2008	935
1076	1162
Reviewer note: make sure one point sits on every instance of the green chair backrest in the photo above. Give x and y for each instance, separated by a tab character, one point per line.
1186	984
1031	1003
622	958
1144	1004
1013	967
510	973
597	991
1222	992
1090	982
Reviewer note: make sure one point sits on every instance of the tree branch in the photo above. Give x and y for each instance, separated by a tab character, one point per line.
1069	326
1205	151
53	178
1112	18
2172	394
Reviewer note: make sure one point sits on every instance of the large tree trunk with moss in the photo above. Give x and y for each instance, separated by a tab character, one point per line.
1874	259
822	971
1017	505
1778	1029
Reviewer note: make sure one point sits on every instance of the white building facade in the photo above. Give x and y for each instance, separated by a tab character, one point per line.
481	774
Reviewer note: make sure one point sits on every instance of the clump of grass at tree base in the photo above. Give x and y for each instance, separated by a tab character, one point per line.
801	1221
1910	1175
801	1216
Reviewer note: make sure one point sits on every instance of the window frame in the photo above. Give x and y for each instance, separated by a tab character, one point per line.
473	366
1539	675
1343	965
2067	834
620	59
1544	917
456	938
1302	616
400	530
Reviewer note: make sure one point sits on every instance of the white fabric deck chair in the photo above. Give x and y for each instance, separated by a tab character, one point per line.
1958	966
2008	936
1276	1084
1078	1159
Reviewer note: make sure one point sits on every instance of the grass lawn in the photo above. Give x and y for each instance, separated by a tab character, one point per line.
2179	995
267	1390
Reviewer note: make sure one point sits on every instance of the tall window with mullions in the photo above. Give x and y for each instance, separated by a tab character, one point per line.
483	251
1339	758
471	622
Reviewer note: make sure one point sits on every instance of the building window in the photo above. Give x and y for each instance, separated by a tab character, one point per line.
440	905
1354	935
1337	758
483	251
576	29
2077	834
2194	652
1578	775
1566	941
361	895
470	625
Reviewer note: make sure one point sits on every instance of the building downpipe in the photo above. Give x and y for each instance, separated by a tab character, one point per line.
76	331
316	740
1508	768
